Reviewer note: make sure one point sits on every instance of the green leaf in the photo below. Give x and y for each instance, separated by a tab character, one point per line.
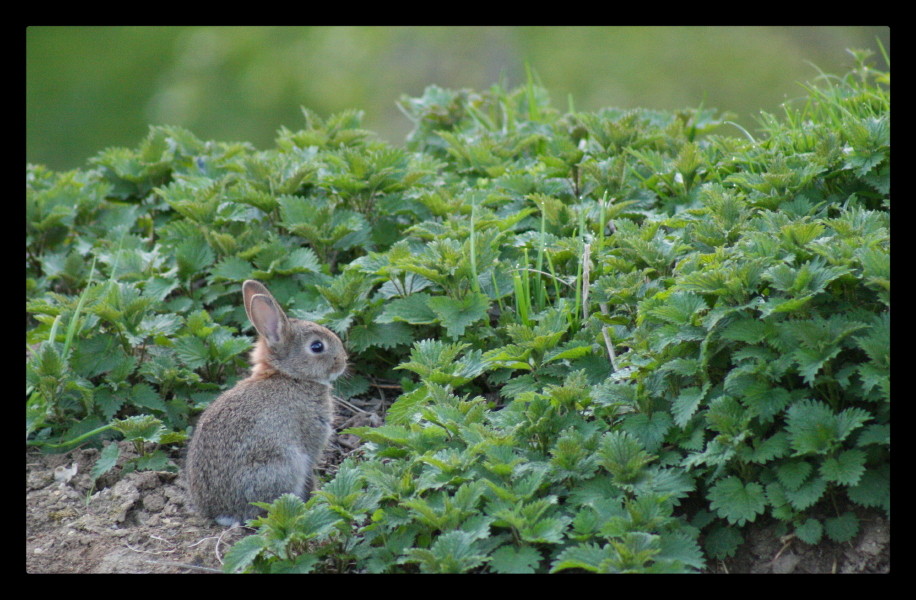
678	549
379	335
686	404
750	331
846	468
723	542
762	400
194	257
650	430
384	434
457	315
813	427
303	563
192	351
793	474
843	528
452	552
775	446
437	362
300	260
231	268
807	494
155	461
569	352
511	559
812	360
548	530
874	434
288	520
144	396
243	553
589	557
810	531
623	456
737	502
108	458
413	309
680	308
873	488
143	428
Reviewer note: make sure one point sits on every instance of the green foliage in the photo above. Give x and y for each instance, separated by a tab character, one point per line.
593	318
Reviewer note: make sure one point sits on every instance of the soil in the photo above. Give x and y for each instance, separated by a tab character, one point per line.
140	522
766	551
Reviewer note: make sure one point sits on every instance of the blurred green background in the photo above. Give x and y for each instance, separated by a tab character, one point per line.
88	88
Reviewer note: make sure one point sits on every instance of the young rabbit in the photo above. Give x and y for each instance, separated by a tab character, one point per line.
262	438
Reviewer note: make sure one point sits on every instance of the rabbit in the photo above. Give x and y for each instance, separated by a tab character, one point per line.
263	438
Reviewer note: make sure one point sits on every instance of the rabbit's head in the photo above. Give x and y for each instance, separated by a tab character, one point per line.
298	349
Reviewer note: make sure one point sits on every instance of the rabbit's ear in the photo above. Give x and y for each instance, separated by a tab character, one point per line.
249	289
267	318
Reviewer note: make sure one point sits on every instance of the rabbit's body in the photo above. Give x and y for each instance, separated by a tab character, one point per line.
263	438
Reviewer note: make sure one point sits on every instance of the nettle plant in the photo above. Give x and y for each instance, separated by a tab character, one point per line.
619	336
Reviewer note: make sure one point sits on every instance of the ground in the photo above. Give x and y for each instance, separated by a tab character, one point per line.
137	522
140	522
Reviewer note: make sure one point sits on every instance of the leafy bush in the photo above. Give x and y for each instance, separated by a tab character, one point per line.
614	332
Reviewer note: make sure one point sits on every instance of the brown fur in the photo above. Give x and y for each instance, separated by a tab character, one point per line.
264	437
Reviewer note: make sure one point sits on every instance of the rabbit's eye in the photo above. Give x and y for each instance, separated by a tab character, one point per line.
317	347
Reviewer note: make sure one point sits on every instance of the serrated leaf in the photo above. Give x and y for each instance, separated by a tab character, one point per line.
589	556
438	362
192	351
193	256
413	309
384	434
155	325
686	404
510	559
764	401
737	502
300	260
155	461
407	406
812	360
793	474
874	434
243	553
873	488
568	352
775	446
677	549
843	528
379	335
750	331
623	456
672	484
846	468
679	308
548	530
144	396
723	542
813	427
452	552
304	563
807	494
108	458
144	428
457	315
650	430
810	531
